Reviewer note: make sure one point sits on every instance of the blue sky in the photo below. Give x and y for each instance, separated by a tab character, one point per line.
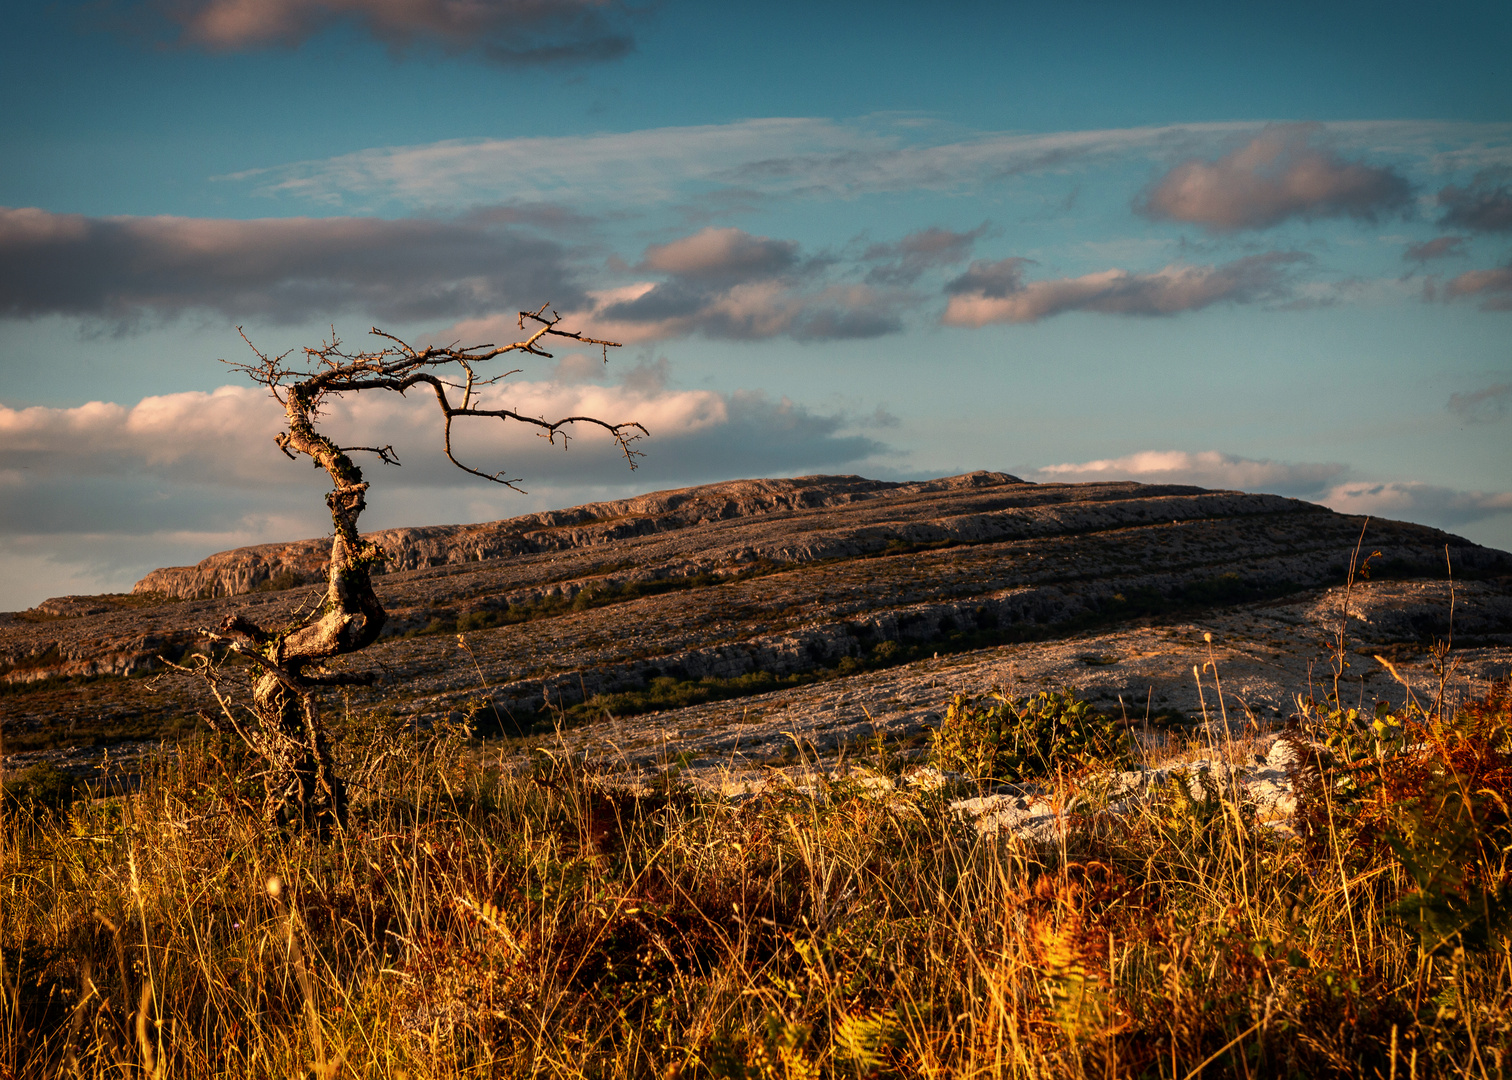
1267	248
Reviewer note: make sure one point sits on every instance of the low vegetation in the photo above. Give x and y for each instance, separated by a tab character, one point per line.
994	737
480	919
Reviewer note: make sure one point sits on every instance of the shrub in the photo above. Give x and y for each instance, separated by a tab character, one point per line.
1451	828
1430	793
43	784
995	737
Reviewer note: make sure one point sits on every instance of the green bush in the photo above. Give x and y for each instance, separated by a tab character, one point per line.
43	784
994	737
1449	801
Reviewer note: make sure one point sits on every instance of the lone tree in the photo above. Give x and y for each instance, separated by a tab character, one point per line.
292	663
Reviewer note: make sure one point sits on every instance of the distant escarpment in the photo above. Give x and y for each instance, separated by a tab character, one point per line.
736	588
231	573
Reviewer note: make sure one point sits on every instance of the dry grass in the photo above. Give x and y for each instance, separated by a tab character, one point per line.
478	921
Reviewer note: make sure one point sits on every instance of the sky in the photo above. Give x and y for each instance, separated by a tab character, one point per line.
1264	247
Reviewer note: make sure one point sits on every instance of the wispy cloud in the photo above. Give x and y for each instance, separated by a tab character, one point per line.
1493	286
1282	173
1205	468
1440	247
903	263
654	164
1483	205
1484	406
510	32
283	269
991	292
823	158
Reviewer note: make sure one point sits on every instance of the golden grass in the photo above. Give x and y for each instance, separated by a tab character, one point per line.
479	921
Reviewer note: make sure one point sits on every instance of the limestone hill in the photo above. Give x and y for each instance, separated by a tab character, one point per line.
767	590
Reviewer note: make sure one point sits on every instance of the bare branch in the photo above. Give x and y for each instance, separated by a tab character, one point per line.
290	661
385	453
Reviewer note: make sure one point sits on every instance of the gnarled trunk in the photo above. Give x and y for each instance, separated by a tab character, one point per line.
289	736
300	778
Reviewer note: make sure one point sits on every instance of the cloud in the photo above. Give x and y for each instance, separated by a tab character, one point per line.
903	263
1412	501
545	217
1280	174
1206	468
722	255
102	492
1494	286
1482	406
728	284
991	280
1323	483
195	437
748	311
1482	206
616	168
745	162
283	269
39	565
225	437
509	32
1440	247
991	292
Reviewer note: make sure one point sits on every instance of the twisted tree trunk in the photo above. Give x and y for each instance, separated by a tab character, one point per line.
300	776
301	780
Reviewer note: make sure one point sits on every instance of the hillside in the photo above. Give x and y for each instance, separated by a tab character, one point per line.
781	590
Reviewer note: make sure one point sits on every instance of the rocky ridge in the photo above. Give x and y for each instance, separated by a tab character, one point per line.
231	573
638	615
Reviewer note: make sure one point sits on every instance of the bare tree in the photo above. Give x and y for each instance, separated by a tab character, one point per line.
292	663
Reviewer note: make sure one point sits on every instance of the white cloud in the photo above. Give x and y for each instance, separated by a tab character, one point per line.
222	436
226	437
1412	501
96	495
1205	468
1324	483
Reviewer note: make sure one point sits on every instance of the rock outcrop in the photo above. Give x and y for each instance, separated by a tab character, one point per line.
231	573
758	587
